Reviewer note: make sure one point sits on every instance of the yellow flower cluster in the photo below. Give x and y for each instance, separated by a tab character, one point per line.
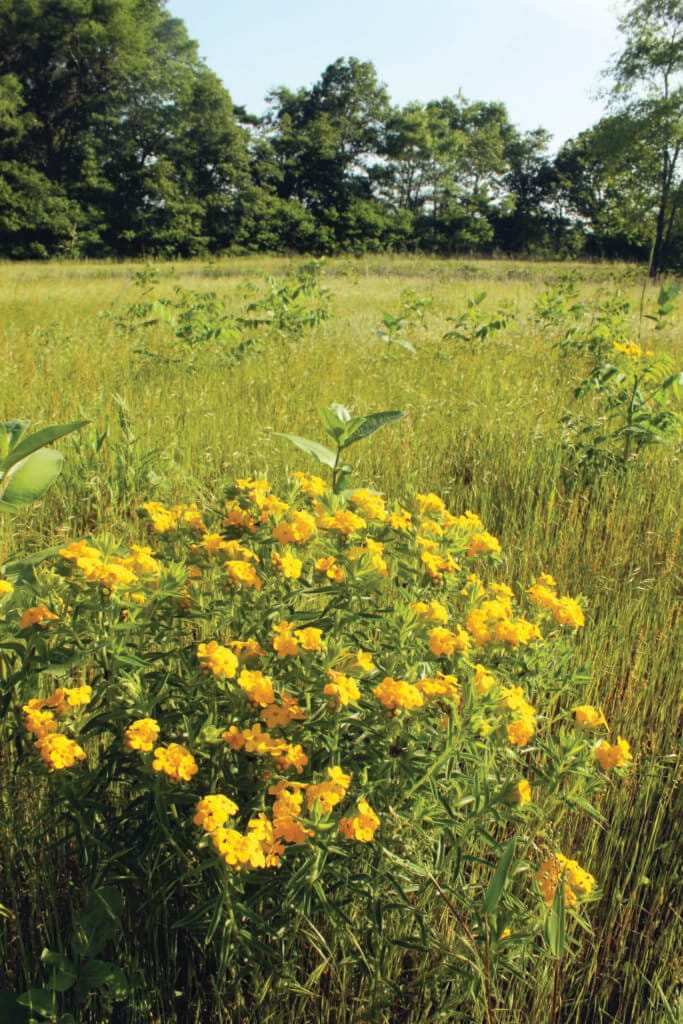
297	528
492	622
213	811
550	873
256	740
444	641
440	686
313	486
523	724
564	610
613	755
218	659
344	689
589	717
343	521
371	505
166	520
175	761
631	349
114	570
397	695
257	848
331	568
362	826
58	751
39	718
142	734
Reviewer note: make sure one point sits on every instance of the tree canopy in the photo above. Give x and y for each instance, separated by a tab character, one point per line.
117	139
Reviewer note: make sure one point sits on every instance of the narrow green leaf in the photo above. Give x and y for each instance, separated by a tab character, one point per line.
29	479
318	451
497	883
555	924
370	424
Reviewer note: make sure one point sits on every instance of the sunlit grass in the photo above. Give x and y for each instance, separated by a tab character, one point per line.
481	429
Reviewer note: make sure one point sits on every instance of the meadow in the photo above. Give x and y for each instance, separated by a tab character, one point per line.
185	394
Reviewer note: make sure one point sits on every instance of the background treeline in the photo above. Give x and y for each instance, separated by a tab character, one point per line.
117	140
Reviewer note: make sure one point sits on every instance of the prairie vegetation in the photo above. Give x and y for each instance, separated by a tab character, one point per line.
188	374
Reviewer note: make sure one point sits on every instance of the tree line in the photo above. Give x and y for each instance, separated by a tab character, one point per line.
117	140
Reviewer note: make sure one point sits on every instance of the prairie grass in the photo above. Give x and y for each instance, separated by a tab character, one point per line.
481	429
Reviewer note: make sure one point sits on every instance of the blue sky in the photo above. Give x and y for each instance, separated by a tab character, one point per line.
542	58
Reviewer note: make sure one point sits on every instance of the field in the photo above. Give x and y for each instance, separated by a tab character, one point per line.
173	419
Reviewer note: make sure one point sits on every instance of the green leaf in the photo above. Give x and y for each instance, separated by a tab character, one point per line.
39	1001
98	922
20	570
29	479
555	929
101	976
318	451
62	972
497	883
369	424
334	426
35	441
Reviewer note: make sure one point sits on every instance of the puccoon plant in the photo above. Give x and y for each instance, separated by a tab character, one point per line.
302	716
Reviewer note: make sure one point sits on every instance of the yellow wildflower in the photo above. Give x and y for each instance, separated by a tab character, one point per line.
589	717
218	659
287	564
613	756
58	751
175	761
395	694
142	734
213	811
343	688
34	616
576	880
362	826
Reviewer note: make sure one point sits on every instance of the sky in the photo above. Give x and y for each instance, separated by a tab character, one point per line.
542	58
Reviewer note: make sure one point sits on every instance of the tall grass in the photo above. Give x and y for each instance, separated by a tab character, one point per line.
481	430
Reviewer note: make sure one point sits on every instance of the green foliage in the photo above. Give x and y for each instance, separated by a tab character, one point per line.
358	771
473	325
199	326
27	466
84	975
345	430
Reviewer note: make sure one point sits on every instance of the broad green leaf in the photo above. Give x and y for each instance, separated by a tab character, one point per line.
98	921
62	972
497	883
101	976
38	1000
38	440
29	480
318	451
372	423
